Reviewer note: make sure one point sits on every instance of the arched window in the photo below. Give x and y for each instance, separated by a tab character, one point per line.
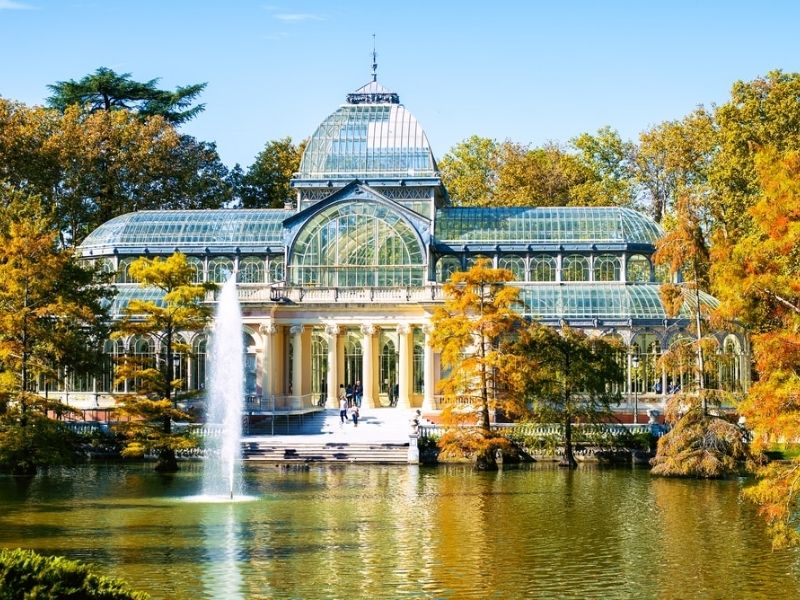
105	265
277	272
197	268
357	244
515	264
143	350
123	271
446	266
731	365
250	372
419	361
543	268
319	367
180	361
680	375
388	368
473	260
198	377
353	360
575	267
607	268
645	376
251	270
638	269
219	269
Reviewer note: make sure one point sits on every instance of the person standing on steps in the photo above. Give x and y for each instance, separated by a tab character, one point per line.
342	404
355	414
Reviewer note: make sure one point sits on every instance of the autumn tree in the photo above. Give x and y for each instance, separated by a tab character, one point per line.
758	279
154	407
266	182
610	159
53	320
107	90
474	331
570	377
469	171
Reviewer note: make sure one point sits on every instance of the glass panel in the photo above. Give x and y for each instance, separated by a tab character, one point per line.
251	270
446	266
357	245
543	268
515	264
638	269
575	268
319	368
607	268
219	269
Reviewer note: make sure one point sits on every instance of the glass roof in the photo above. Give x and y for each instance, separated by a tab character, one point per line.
597	301
368	140
597	225
126	293
188	228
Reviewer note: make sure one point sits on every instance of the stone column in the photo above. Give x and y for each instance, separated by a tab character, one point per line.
406	346
429	381
333	366
297	359
368	361
268	377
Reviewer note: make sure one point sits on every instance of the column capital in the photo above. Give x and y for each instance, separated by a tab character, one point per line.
404	329
297	328
268	328
370	329
333	329
427	329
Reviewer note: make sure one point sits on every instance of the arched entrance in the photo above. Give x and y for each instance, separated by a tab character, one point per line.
388	371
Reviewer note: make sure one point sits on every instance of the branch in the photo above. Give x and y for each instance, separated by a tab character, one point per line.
780	299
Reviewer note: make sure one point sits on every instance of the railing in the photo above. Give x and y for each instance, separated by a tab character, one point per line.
282	404
544	430
328	295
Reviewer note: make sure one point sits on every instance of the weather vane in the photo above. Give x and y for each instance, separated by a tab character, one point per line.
374	60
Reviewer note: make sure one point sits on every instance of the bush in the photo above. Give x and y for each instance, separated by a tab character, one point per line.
25	574
36	442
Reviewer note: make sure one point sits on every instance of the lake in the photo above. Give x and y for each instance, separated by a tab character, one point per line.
405	532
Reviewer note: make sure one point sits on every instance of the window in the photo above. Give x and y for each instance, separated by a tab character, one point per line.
251	270
418	380
319	367
197	269
638	269
607	268
219	269
276	269
446	266
543	268
575	268
123	271
515	264
198	376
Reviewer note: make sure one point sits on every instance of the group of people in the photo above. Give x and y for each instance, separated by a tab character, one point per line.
350	402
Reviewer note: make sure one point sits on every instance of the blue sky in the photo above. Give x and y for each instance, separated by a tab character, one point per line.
529	71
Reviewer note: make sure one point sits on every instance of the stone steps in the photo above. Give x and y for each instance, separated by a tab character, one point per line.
287	450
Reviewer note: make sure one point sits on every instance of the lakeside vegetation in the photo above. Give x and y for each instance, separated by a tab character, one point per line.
724	181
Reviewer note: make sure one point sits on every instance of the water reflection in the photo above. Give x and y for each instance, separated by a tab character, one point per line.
222	578
394	532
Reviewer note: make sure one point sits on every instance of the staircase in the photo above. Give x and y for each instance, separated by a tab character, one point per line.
381	437
284	450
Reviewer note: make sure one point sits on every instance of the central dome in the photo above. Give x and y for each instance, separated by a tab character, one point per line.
371	136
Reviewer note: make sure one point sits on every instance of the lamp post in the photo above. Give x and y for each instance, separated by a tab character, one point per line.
635	363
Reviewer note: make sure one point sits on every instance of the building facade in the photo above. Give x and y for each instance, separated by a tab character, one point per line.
340	286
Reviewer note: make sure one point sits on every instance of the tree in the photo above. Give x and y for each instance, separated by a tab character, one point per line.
570	377
154	408
266	182
758	277
611	160
53	319
474	331
107	90
470	170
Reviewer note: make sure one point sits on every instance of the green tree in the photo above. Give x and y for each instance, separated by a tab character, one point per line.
610	158
469	171
53	319
474	331
570	377
154	407
107	90
266	182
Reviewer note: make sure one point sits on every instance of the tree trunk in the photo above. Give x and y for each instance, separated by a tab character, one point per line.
569	457
167	463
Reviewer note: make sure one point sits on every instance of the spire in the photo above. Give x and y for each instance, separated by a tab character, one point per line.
374	60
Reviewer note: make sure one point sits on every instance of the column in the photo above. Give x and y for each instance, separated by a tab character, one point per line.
268	331
368	361
333	366
297	359
404	375
429	381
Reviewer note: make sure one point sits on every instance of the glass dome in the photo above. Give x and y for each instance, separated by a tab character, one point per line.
596	225
187	229
372	136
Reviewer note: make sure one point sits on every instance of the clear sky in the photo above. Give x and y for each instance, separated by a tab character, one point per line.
530	71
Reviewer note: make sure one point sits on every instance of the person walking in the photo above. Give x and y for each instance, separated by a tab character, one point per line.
355	414
342	404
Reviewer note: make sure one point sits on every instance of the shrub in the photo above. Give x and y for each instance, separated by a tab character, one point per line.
25	574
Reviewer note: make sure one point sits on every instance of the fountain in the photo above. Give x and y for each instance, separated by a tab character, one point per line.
225	398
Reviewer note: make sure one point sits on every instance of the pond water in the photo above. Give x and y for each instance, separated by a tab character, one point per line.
405	532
